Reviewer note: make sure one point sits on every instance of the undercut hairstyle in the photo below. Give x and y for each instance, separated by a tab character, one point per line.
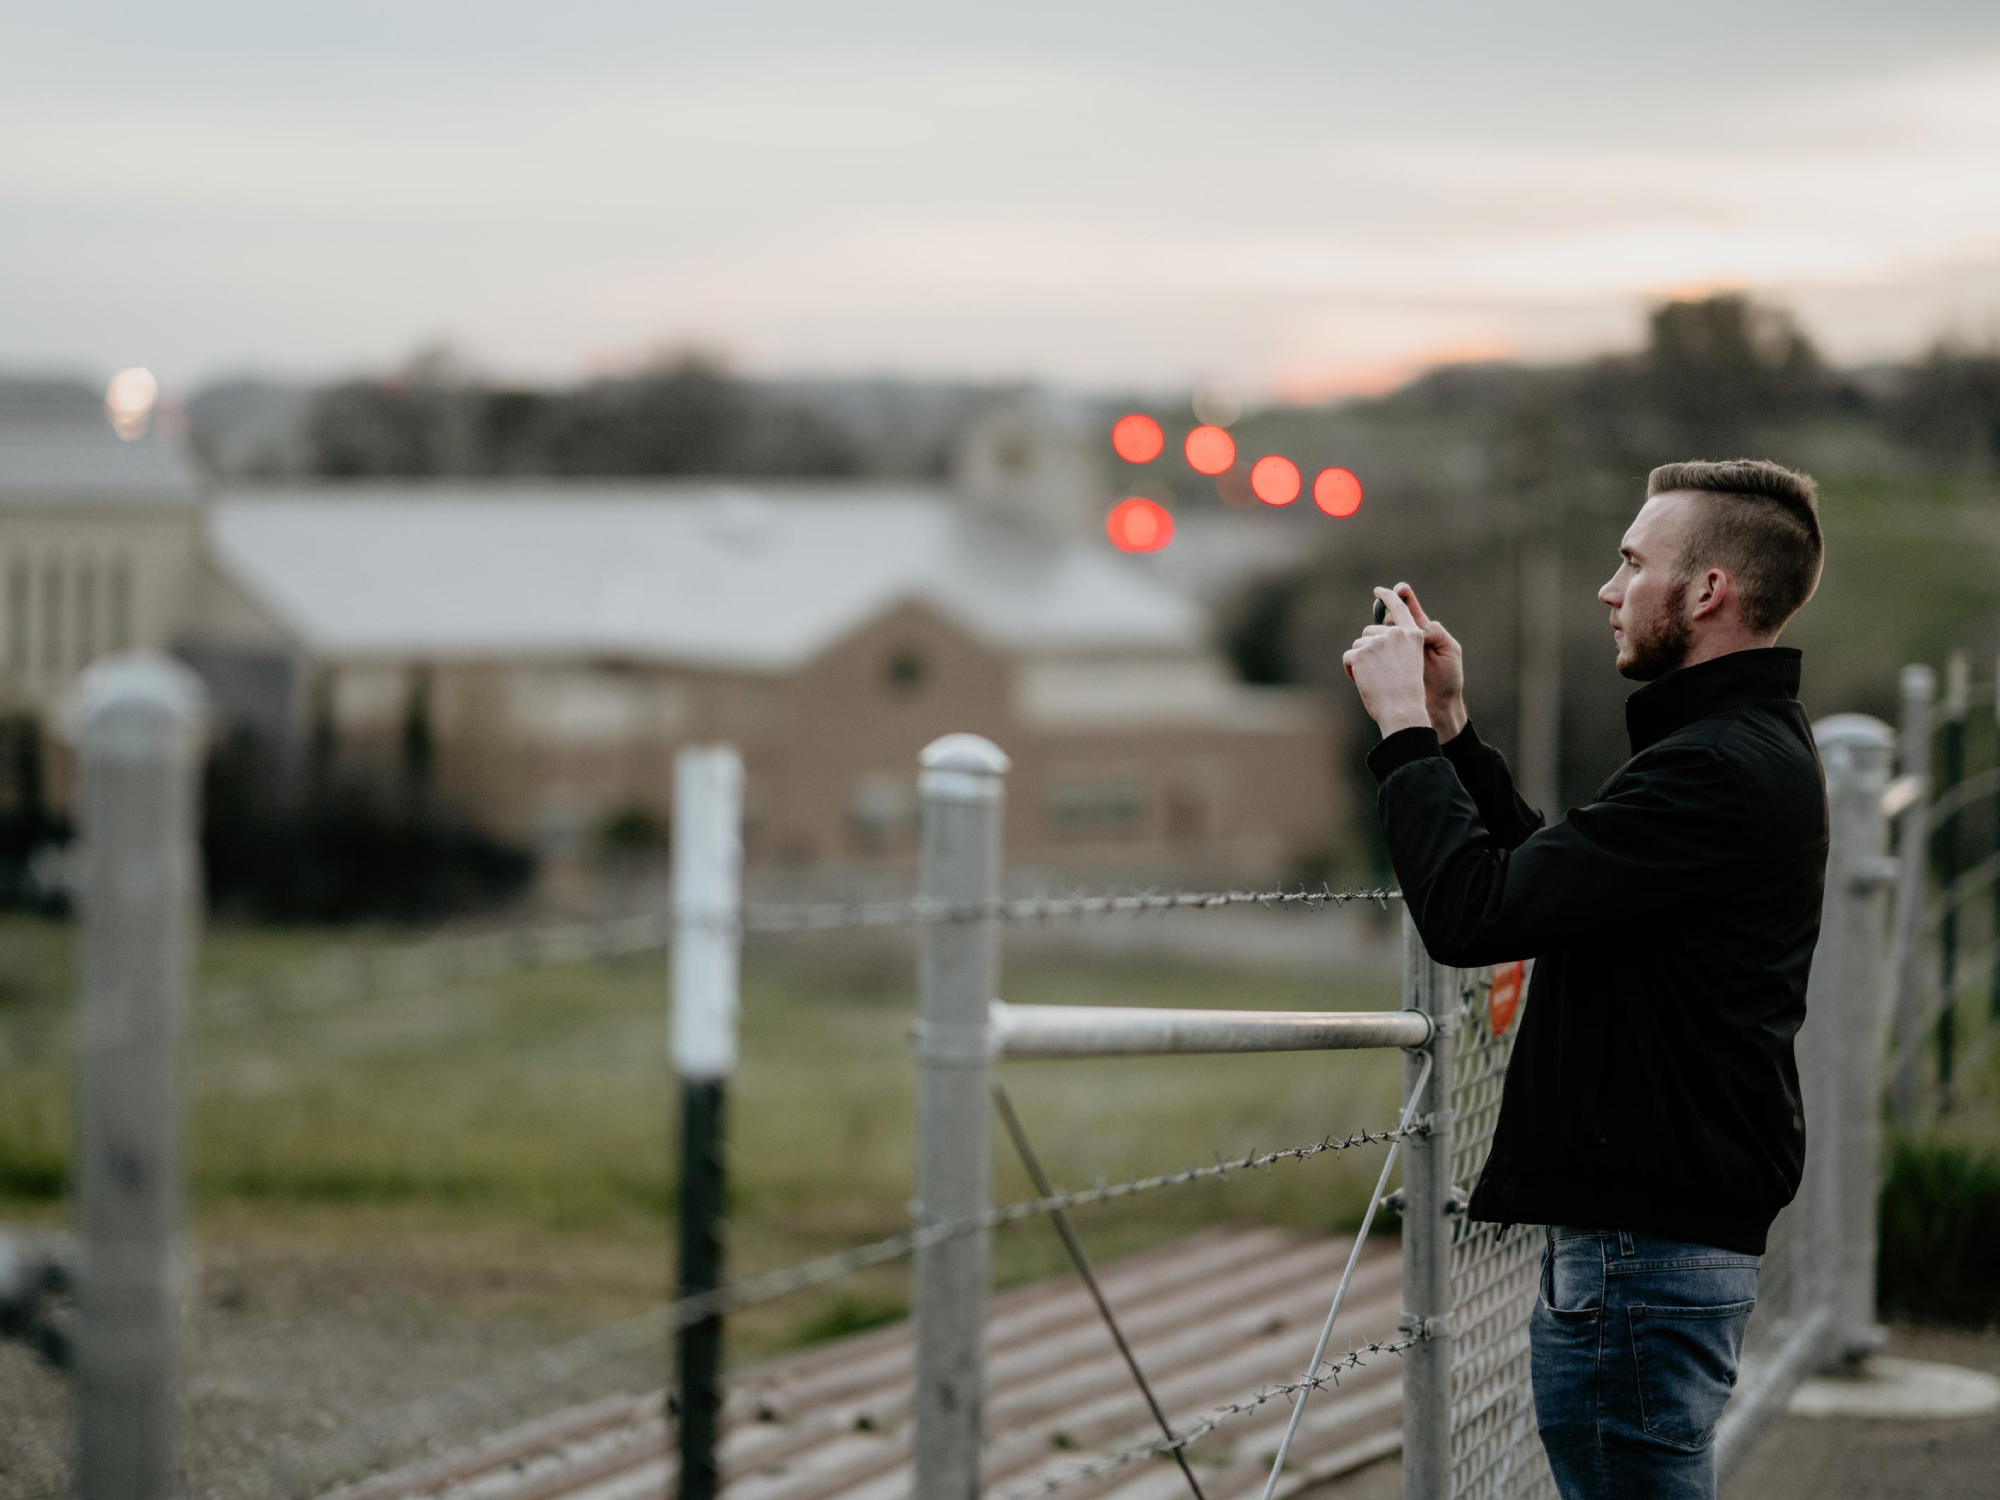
1757	520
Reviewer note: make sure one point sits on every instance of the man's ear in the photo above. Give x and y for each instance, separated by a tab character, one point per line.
1716	588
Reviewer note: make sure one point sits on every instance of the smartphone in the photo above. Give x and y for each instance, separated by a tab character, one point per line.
1381	613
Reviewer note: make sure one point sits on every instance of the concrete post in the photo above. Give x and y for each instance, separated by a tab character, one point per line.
958	971
1846	1022
1957	692
1427	1303
1919	685
708	900
138	721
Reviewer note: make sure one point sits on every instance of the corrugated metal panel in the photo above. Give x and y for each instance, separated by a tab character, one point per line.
1213	1319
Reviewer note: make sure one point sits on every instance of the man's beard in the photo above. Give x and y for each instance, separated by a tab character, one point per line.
1661	647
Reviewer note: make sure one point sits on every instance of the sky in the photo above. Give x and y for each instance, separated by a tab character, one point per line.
1300	200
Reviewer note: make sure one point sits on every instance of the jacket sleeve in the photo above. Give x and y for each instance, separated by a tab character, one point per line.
1482	771
1610	869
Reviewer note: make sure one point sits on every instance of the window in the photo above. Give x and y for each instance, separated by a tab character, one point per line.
86	612
1086	804
121	604
908	671
52	616
882	812
18	615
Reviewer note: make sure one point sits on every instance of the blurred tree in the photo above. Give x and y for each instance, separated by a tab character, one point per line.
685	414
1948	403
418	745
1257	630
1726	364
25	820
348	850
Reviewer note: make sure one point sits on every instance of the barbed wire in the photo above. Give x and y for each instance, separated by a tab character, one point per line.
358	973
1329	1375
823	916
408	1425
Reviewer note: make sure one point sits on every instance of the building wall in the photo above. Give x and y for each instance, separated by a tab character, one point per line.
79	579
547	754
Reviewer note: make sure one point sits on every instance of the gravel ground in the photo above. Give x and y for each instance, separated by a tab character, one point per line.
287	1353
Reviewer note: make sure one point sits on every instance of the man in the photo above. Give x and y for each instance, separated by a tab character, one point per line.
1651	1113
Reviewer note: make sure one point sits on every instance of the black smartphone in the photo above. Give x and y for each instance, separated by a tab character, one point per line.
1381	613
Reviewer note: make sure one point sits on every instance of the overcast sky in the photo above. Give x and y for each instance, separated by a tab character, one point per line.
1300	199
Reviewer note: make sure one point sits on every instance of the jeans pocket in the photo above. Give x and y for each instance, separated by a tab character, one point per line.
1686	1359
1547	1297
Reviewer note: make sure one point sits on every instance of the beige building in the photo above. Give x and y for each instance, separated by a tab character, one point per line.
557	641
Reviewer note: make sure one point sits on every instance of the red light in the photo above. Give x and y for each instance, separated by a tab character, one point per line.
1274	480
1137	439
1337	492
1137	525
1210	450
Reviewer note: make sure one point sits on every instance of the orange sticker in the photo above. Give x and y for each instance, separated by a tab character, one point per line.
1505	996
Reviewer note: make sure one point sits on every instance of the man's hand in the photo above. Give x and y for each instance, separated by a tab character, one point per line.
1387	665
1444	671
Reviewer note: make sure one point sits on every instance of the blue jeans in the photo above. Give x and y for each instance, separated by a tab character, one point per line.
1634	1342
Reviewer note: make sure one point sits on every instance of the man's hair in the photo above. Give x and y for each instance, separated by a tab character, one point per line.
1760	521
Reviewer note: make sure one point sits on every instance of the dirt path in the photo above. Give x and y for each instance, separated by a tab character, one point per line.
1837	1458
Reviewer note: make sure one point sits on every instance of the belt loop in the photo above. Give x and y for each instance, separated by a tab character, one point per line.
1625	1243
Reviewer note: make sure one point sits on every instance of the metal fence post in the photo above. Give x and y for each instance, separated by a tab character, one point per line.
1844	1120
708	898
1919	684
138	721
958	969
1427	1185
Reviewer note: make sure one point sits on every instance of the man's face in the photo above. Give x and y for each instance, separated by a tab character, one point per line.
1648	596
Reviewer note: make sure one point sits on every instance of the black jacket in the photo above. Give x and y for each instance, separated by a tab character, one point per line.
1652	1085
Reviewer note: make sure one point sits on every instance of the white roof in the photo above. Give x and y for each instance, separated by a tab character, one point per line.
758	580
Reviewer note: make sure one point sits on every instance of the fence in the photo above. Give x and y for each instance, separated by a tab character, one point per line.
1935	801
1467	1427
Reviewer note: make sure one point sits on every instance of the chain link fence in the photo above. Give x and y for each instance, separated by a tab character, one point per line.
1495	1451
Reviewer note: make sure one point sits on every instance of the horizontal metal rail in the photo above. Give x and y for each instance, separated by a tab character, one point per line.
1146	1031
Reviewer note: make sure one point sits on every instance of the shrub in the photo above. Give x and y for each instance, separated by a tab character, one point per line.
346	851
1940	1234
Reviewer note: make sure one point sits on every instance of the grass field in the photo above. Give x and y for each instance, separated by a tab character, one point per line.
500	1148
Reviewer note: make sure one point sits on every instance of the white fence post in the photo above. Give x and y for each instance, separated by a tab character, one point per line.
1427	1187
1919	684
1848	984
708	900
963	789
138	723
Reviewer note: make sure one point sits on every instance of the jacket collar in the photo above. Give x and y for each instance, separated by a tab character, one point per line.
1710	687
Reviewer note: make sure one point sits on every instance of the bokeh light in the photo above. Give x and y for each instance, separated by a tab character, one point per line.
1139	525
1137	439
1217	403
1210	450
1337	492
128	401
1275	480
